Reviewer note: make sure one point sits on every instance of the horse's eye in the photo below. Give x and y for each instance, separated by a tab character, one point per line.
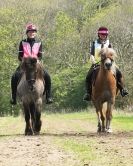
103	55
112	60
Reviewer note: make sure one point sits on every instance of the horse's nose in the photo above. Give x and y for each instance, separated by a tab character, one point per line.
108	65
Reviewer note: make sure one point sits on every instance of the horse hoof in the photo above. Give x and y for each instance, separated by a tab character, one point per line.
36	133
109	131
103	130
98	130
28	133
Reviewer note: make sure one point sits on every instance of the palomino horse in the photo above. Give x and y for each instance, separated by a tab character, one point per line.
30	92
104	89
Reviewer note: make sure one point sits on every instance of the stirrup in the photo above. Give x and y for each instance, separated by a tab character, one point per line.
124	92
49	100
13	102
87	97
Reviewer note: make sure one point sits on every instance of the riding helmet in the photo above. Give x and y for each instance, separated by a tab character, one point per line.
103	30
31	27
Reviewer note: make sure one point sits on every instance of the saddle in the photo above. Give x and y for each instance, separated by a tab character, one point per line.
95	69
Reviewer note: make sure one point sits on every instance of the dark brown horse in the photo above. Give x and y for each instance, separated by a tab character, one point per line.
104	89
30	93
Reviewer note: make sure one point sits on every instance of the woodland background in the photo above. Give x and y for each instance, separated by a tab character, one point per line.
66	28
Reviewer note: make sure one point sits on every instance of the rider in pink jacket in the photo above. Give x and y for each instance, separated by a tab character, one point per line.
30	47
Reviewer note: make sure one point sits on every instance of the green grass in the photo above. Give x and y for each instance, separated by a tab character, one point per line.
76	115
10	126
82	150
123	122
15	125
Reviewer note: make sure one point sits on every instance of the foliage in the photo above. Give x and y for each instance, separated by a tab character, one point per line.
66	28
69	88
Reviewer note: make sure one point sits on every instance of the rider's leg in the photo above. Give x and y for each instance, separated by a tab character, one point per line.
13	89
48	87
120	83
88	85
14	82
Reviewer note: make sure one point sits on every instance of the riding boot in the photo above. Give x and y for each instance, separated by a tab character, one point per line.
87	96
88	81
13	89
47	79
120	83
49	99
14	82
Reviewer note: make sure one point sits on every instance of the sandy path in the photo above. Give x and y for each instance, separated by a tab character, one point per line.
108	150
33	151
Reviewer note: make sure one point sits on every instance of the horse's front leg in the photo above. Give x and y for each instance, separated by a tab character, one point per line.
99	122
32	112
103	121
38	122
109	118
28	130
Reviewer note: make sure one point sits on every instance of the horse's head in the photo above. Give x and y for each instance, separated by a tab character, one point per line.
29	66
107	58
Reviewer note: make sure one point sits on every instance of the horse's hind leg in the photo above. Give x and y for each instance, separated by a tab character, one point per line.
28	130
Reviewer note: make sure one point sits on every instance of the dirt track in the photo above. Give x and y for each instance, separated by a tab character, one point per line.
19	150
32	151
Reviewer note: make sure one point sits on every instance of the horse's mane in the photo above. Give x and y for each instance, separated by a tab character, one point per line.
39	69
38	66
108	51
